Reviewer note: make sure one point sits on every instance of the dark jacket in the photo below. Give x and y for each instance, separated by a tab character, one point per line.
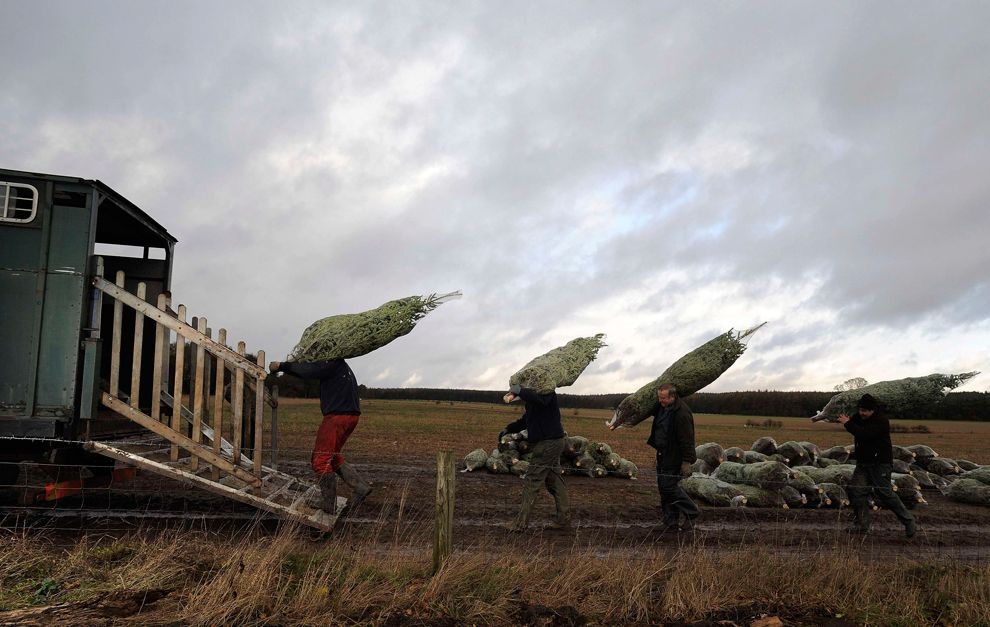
542	417
872	438
673	435
338	385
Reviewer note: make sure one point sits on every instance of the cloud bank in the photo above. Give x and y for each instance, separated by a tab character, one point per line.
659	173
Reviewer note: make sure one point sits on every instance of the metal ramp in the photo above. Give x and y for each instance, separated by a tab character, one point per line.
214	439
279	493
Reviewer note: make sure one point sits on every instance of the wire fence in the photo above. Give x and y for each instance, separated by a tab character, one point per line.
614	513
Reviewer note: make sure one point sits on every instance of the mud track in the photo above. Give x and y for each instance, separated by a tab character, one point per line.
612	517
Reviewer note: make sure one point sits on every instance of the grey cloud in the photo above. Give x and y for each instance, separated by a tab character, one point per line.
754	144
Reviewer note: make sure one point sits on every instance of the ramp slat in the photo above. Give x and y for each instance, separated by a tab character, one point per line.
323	522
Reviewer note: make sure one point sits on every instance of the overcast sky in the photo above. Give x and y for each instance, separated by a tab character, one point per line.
659	172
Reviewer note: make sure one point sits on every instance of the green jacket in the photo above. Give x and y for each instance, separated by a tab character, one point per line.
673	436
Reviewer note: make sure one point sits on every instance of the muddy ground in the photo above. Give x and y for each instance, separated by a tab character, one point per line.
395	445
612	516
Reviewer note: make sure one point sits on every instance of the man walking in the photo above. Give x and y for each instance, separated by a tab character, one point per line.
341	408
673	438
546	434
874	463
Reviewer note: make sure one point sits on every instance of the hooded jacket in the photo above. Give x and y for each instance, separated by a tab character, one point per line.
872	437
542	417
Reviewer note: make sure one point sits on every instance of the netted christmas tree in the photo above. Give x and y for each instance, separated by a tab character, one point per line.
560	367
689	374
900	397
352	335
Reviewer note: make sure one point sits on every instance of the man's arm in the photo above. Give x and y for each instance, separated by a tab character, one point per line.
317	370
869	429
515	427
685	437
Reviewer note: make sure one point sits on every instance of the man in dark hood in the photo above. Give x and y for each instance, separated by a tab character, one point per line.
874	463
546	434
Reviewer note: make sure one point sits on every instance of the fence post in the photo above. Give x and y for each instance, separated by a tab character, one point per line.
274	446
443	531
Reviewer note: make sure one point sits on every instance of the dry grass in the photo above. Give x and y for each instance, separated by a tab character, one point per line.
290	580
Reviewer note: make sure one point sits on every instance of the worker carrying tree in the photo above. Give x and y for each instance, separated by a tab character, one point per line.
874	464
320	354
673	438
546	435
341	408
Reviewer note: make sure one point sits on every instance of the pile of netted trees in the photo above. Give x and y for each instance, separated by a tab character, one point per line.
800	474
581	456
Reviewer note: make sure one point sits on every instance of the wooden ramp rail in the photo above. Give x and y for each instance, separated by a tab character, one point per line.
230	451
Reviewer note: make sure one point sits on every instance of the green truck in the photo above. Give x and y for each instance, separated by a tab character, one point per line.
100	378
53	353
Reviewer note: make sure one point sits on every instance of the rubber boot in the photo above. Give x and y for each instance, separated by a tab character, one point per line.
910	528
356	483
861	522
328	490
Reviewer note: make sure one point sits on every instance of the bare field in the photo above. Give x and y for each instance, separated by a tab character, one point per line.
416	429
396	441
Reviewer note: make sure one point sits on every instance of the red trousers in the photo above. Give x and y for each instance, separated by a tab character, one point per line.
330	438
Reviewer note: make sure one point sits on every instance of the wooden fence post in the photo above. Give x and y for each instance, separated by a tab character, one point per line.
444	529
274	446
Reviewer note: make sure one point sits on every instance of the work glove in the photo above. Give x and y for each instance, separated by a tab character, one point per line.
685	469
274	366
515	389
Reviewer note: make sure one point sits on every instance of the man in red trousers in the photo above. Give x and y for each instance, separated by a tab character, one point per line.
341	409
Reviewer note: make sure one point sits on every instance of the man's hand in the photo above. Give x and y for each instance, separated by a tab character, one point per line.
843	419
501	434
685	469
274	366
515	389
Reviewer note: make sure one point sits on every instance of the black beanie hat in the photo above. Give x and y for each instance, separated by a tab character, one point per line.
868	403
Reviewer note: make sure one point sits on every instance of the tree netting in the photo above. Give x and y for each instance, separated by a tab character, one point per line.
760	497
351	335
835	495
711	453
754	457
560	367
967	465
900	397
792	497
711	490
765	446
580	457
837	453
689	374
981	474
969	491
475	460
794	454
769	475
902	467
813	451
734	454
903	454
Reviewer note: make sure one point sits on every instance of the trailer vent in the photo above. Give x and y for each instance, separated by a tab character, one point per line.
20	202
